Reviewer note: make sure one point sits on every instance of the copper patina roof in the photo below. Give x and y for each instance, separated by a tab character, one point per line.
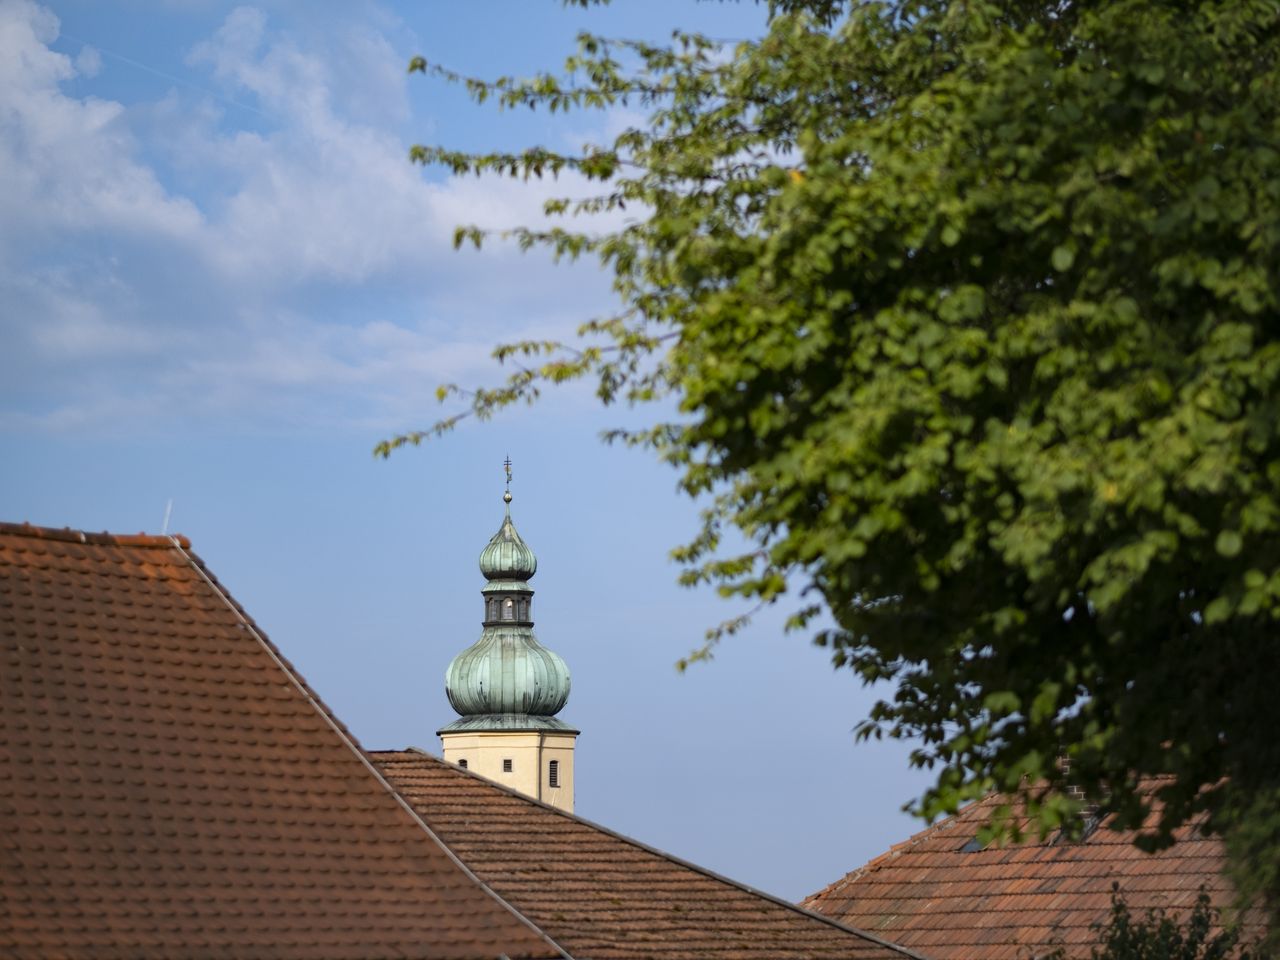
170	787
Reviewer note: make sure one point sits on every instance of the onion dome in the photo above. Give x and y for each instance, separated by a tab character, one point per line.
506	680
507	557
507	671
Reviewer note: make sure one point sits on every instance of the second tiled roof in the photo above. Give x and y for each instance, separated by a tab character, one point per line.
604	896
944	895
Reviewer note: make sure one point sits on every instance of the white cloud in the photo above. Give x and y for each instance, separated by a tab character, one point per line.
68	163
327	194
187	258
72	326
88	62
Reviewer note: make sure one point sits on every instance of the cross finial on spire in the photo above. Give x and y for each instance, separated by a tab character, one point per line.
506	496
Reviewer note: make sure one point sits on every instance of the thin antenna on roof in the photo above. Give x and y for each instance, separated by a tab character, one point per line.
168	511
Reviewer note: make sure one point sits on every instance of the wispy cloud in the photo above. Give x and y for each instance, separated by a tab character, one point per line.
184	259
68	164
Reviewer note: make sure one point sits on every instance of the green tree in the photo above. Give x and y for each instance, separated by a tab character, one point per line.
970	312
1157	936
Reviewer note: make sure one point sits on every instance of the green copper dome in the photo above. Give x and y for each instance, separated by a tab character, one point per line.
507	557
506	679
507	671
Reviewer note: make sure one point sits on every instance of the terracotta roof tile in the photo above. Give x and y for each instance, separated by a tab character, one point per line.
170	787
605	896
1021	900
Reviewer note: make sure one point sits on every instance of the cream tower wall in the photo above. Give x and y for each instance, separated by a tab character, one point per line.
530	753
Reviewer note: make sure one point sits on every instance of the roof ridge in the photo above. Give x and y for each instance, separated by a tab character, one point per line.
928	832
349	741
876	862
705	871
101	539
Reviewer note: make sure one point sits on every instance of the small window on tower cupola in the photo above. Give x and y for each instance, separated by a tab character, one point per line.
491	608
524	609
508	609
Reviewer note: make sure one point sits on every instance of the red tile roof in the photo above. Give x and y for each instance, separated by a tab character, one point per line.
603	895
932	894
170	787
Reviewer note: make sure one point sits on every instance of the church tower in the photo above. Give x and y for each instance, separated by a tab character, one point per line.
507	687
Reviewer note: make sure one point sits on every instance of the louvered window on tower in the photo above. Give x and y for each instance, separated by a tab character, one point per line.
553	773
506	766
508	609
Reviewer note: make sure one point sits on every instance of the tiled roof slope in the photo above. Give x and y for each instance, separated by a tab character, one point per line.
602	895
170	788
1020	901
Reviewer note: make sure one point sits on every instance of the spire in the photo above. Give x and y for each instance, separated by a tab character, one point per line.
507	680
507	557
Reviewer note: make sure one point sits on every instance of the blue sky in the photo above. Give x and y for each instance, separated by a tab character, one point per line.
222	282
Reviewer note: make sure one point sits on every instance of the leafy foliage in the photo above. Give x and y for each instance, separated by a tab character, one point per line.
1159	937
970	311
